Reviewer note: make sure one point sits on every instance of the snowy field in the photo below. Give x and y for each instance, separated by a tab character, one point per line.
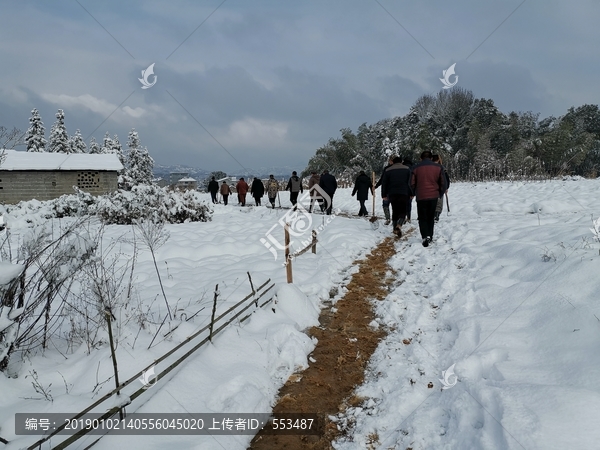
508	293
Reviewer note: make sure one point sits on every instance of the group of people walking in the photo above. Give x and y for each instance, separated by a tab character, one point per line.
257	190
400	182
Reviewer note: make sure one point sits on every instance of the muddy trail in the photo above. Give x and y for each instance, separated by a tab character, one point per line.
345	345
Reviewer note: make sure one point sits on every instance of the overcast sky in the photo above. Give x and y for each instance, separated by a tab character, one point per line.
264	83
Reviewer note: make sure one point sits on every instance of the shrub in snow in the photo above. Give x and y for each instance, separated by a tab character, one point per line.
152	203
141	203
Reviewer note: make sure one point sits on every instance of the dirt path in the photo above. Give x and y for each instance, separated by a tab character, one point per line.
346	342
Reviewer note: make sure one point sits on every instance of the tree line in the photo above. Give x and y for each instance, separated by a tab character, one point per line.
475	140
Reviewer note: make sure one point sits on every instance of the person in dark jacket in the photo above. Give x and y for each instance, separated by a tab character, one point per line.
385	200
396	187
295	187
213	188
408	163
440	204
362	186
328	184
428	183
257	190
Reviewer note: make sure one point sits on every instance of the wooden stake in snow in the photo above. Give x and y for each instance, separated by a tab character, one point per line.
109	316
288	260
214	310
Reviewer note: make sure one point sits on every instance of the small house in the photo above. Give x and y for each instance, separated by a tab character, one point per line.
187	183
46	176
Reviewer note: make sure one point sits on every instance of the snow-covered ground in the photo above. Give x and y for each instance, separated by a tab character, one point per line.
508	293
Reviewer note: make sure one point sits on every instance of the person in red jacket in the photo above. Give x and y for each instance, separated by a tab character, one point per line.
428	183
242	189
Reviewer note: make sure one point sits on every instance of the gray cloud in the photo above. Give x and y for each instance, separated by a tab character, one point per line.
273	81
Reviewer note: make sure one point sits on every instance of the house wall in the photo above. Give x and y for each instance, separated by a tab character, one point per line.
16	186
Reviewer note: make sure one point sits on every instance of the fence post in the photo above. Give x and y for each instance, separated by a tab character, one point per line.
109	315
214	310
252	286
288	260
314	241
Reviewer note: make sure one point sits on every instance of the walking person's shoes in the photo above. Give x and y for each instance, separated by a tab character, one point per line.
437	217
398	231
387	221
427	241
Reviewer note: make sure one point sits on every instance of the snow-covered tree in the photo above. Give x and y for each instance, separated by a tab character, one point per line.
35	134
94	147
107	144
139	165
59	139
76	143
117	149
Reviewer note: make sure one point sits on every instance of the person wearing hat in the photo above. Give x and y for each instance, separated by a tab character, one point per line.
225	191
272	190
242	189
257	190
295	187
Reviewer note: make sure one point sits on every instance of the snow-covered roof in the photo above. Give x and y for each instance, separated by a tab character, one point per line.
16	160
186	180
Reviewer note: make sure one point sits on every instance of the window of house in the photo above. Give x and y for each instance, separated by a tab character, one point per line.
88	180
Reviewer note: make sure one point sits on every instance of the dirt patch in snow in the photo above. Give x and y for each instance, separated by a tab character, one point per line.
346	342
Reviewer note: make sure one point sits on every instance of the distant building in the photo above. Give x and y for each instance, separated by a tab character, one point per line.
187	183
46	176
174	177
161	182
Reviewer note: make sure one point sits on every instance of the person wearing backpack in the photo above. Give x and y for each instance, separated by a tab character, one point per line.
272	190
295	187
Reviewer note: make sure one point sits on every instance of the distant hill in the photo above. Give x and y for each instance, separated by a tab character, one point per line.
200	174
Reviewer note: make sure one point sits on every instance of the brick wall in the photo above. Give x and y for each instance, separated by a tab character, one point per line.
47	185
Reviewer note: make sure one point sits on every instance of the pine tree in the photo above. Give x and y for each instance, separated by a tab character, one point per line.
59	139
94	147
35	134
117	149
106	144
140	164
76	143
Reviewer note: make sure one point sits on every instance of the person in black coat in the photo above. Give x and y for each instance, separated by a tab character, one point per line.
396	186
328	184
213	188
362	186
385	200
257	190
